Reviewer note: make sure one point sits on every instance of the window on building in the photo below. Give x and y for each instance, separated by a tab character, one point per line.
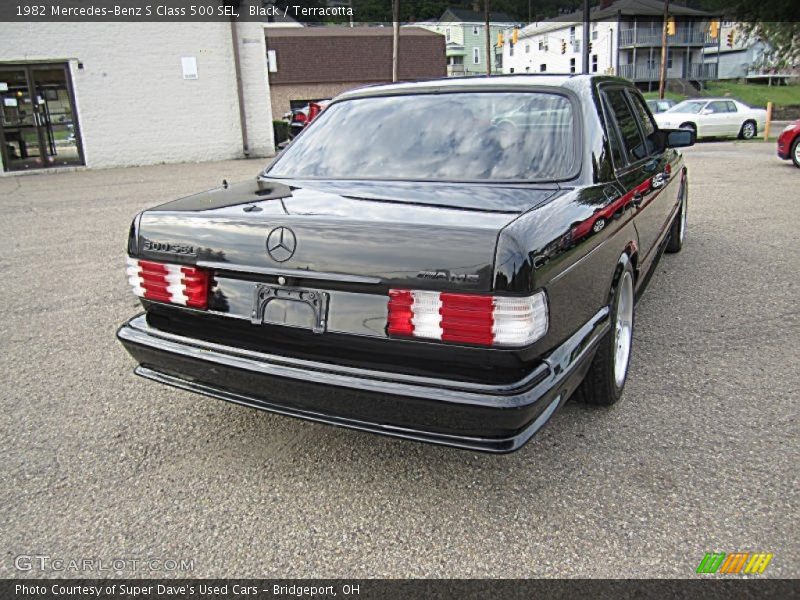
527	48
511	50
543	68
476	55
475	30
594	33
571	65
594	63
572	34
669	58
447	34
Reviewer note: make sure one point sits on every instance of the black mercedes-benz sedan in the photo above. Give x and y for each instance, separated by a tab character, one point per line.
444	261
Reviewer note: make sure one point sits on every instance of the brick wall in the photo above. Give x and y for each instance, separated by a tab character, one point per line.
134	107
282	95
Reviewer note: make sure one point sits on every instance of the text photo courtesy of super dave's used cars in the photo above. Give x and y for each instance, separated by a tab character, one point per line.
446	261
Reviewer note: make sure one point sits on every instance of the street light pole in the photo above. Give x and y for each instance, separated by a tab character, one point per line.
395	38
488	38
586	36
662	78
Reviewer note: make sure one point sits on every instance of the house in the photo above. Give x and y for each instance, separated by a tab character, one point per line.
624	40
743	56
312	63
465	34
110	94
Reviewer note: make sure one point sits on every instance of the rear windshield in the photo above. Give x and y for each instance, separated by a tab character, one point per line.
465	136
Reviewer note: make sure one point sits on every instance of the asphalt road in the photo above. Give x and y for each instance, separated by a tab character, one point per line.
701	455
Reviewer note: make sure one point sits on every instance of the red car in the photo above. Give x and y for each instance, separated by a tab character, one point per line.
789	143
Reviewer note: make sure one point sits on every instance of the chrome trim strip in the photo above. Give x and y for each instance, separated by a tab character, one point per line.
222	266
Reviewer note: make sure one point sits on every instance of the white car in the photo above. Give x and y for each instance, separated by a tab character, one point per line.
714	117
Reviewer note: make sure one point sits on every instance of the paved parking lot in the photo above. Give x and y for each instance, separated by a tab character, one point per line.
701	455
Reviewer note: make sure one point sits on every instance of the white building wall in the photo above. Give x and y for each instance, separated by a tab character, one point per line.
528	56
133	105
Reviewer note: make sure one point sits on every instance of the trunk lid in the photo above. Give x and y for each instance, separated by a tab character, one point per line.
421	235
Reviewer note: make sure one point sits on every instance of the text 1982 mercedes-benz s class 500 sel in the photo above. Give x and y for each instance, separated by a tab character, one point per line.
445	261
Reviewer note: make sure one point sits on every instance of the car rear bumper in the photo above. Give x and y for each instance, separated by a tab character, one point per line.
491	418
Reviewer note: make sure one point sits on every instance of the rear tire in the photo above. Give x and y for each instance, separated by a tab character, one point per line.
690	127
677	232
748	130
605	380
795	153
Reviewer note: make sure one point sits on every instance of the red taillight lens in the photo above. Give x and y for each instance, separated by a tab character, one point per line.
400	314
467	318
175	284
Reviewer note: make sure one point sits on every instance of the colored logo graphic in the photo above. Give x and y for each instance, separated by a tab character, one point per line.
735	563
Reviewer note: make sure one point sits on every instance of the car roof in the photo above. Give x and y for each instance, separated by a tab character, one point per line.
473	82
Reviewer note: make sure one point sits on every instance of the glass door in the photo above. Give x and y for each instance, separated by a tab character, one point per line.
38	126
57	121
22	148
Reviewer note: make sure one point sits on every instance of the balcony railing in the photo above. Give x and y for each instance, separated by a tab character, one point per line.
648	36
455	70
696	71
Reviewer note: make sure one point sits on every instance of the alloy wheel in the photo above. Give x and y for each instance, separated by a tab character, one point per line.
623	329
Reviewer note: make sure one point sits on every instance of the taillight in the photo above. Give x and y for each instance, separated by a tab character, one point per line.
176	284
467	318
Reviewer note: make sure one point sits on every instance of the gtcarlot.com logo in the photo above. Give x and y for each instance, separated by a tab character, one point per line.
745	563
44	562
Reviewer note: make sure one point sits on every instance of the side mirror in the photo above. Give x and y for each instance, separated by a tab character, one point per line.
706	111
678	138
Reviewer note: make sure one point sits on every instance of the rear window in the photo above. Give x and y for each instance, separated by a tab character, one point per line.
464	136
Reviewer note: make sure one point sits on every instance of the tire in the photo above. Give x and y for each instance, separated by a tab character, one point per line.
677	232
599	225
795	152
748	130
690	126
605	380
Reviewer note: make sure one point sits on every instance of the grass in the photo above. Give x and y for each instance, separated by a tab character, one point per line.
752	94
755	94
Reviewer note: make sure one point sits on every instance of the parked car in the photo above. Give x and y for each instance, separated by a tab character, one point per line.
715	117
425	274
299	118
789	143
660	105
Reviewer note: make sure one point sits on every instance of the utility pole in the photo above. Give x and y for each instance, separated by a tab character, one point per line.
488	38
586	36
662	79
395	37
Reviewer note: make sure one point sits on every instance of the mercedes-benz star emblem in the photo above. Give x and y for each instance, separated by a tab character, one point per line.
281	244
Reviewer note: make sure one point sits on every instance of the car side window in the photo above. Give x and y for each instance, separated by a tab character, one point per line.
646	121
717	107
632	141
731	106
